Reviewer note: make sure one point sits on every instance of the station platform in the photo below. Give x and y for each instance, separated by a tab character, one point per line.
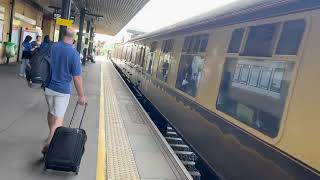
123	143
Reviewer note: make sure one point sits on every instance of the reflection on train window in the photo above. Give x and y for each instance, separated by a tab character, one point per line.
165	60
164	67
291	37
265	78
254	77
151	57
248	103
189	73
261	40
237	73
244	74
235	42
150	61
277	80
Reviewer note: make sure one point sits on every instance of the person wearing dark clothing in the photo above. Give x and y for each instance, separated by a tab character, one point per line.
26	55
45	43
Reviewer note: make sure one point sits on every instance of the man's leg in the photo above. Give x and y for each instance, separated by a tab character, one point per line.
50	118
57	122
60	104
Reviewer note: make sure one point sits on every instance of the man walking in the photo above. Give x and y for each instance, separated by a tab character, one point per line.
66	66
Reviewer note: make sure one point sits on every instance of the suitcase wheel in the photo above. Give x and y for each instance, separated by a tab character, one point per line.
77	170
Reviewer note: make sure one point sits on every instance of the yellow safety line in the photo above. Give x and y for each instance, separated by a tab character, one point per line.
101	161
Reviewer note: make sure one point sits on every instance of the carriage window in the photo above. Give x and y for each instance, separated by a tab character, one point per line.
186	44
291	37
190	45
153	46
261	40
165	60
195	44
260	102
189	73
204	43
197	41
236	39
167	46
151	57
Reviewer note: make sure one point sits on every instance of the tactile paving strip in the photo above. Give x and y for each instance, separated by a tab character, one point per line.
120	160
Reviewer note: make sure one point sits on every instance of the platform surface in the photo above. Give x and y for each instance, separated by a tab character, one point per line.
133	148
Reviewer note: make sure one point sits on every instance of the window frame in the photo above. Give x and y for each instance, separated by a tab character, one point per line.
280	34
168	49
275	39
291	58
184	52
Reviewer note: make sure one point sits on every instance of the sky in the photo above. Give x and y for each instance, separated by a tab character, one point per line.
160	13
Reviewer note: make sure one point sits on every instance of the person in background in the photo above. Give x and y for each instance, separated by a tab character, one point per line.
26	55
36	44
45	43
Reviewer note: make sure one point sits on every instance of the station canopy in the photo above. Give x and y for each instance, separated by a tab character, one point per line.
116	13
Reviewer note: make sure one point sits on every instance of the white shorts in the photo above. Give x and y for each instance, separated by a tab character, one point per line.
57	102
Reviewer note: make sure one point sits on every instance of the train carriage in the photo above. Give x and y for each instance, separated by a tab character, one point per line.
240	84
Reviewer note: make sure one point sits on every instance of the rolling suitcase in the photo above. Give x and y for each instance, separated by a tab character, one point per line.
67	147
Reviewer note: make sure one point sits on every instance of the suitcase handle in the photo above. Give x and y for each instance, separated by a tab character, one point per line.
74	111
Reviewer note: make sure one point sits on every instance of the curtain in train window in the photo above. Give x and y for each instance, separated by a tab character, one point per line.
261	40
189	73
291	37
255	92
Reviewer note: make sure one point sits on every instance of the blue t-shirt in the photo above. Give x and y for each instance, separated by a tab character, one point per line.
65	62
27	46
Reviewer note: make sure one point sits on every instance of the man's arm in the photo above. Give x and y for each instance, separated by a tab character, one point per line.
79	87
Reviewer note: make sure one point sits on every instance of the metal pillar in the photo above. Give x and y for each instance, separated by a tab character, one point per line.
65	14
85	50
54	30
79	42
13	3
91	40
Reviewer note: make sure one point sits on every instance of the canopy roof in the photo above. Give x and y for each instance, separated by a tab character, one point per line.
116	13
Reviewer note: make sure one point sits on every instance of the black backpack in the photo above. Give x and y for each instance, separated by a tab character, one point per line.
38	74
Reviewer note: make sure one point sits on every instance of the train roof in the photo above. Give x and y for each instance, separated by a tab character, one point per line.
237	12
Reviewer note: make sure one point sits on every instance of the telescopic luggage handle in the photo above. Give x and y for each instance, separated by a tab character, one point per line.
84	111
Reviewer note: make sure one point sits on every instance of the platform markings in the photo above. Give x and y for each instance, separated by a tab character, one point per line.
120	160
101	159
